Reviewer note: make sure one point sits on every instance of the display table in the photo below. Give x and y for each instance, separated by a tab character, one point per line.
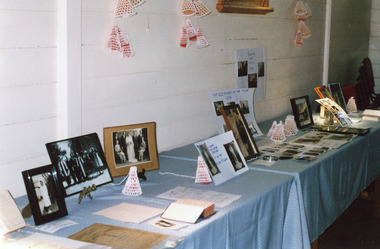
265	216
327	186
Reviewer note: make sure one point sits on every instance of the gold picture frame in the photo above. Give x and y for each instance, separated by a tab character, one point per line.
258	7
131	145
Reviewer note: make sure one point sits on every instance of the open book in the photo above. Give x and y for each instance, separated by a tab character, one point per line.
10	216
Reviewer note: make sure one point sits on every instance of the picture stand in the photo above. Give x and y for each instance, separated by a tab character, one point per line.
86	192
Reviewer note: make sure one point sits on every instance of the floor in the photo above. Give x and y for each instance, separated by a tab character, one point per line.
355	229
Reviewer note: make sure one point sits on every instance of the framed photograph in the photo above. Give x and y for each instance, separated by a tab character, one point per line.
79	162
323	92
131	145
236	123
44	193
337	94
302	112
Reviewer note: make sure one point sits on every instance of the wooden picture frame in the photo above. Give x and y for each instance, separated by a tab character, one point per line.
302	111
337	94
45	196
258	7
79	162
323	92
131	145
236	123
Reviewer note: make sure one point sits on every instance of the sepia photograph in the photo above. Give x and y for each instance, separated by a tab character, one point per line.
79	162
44	194
130	145
302	112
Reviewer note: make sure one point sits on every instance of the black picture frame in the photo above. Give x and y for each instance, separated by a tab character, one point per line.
236	123
302	111
79	162
45	196
337	94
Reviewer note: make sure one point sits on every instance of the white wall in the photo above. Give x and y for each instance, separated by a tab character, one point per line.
162	83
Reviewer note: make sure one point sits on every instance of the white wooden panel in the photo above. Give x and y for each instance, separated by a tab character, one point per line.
28	29
35	5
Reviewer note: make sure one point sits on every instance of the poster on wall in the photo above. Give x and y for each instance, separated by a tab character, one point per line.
251	70
222	156
242	97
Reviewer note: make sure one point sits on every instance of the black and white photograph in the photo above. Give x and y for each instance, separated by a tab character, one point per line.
234	155
217	105
242	68
261	69
130	145
44	194
243	106
79	162
236	123
252	80
209	160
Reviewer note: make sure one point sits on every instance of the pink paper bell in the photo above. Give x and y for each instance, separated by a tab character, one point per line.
202	175
132	185
192	34
184	41
299	8
114	43
188	8
136	3
307	12
278	134
125	9
201	8
201	39
299	38
304	29
351	105
272	128
290	126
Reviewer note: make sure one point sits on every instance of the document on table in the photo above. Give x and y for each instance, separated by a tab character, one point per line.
130	212
10	216
218	198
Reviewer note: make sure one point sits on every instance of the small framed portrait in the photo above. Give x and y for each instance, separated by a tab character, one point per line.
323	92
337	94
236	123
131	145
302	112
79	162
217	105
44	193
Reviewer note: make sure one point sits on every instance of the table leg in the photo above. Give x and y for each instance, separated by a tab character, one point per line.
314	245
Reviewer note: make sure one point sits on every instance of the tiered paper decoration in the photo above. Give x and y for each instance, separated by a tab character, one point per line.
351	105
132	185
120	43
302	11
201	8
202	175
125	9
278	134
271	130
290	126
188	34
194	8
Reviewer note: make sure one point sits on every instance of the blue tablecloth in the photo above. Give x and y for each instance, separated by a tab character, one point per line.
327	186
266	216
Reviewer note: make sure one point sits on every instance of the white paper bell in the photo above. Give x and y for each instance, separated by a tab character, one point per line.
201	8
278	134
188	8
299	8
351	105
136	3
202	175
192	34
132	186
184	40
308	12
126	46
298	40
304	29
271	130
125	9
201	39
113	43
290	126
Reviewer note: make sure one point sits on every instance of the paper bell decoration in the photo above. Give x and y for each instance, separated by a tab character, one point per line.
188	8
132	185
184	41
278	134
120	43
290	126
136	3
201	39
307	12
304	29
113	42
125	9
201	8
299	38
271	130
192	34
351	105
202	175
300	8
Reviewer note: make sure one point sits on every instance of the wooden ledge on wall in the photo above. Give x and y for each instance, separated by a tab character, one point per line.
257	7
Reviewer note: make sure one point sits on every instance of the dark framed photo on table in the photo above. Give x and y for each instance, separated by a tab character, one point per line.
131	145
337	94
236	123
302	111
79	162
44	193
